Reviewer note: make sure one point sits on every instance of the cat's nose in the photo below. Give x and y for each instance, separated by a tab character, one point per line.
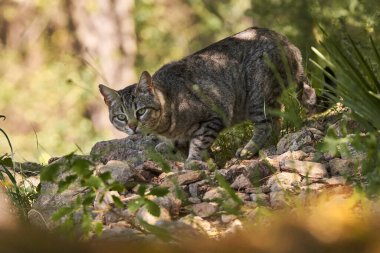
133	127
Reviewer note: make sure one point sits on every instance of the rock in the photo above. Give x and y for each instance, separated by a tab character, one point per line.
241	183
115	233
260	198
198	188
145	215
284	181
313	187
189	177
336	180
227	218
231	173
170	203
121	172
305	168
298	140
204	209
198	223
194	200
278	199
129	149
234	227
341	167
213	194
107	200
183	178
30	182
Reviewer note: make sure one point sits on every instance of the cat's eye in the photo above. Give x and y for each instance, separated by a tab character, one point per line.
140	112
121	117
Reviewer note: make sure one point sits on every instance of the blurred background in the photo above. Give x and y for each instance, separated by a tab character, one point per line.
53	55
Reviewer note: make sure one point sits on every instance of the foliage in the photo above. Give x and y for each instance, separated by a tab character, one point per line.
358	87
21	195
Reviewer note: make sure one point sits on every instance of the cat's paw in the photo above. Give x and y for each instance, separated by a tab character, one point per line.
245	154
196	165
164	148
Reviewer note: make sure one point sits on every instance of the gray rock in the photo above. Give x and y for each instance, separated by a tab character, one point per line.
298	140
260	198
241	183
121	171
116	233
234	227
198	188
341	167
205	209
201	225
183	178
305	168
145	215
131	149
284	181
227	218
214	193
231	173
278	199
336	180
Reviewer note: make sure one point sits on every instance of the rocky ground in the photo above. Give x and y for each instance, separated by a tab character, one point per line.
283	176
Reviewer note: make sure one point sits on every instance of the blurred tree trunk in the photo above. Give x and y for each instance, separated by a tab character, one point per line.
105	37
105	31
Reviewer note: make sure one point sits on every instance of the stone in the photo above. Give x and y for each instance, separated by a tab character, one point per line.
145	215
131	149
190	176
241	183
107	200
30	182
197	222
115	233
341	167
234	227
313	187
298	140
227	218
260	198
278	199
284	181
204	209
194	200
121	172
305	168
336	180
198	188
231	173
214	193
170	203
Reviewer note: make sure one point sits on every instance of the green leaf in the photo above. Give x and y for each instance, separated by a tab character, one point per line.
105	176
86	221
64	184
159	191
64	211
88	199
98	228
82	168
11	177
116	186
141	190
135	204
152	207
7	162
94	182
50	172
117	201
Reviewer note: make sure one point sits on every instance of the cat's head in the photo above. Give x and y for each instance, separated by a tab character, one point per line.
148	102
121	107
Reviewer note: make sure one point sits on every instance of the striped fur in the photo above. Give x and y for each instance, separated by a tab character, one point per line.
193	99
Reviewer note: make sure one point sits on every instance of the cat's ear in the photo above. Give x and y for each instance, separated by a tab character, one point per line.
109	94
145	83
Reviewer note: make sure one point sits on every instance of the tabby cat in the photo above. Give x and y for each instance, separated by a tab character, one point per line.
193	99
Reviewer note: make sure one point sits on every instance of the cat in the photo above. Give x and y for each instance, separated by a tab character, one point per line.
236	79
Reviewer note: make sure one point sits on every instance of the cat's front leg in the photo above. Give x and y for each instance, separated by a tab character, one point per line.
202	139
261	134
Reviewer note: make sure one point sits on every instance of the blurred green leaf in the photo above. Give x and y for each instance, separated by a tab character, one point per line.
50	172
159	191
152	207
117	201
141	190
64	184
135	204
